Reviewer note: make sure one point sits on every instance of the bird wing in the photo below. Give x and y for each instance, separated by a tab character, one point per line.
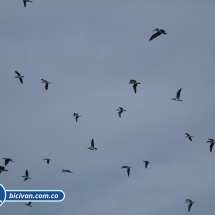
120	113
92	143
124	167
1	167
46	86
211	146
178	94
76	118
26	172
189	206
48	161
43	80
24	3
135	87
187	134
146	164
6	162
17	73
154	35
21	80
190	138
132	81
128	171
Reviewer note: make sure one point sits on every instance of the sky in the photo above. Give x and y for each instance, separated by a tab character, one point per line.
89	51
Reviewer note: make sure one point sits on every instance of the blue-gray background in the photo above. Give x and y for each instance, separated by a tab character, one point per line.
90	50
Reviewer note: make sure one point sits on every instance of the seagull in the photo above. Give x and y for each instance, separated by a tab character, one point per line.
28	204
24	1
158	33
26	176
128	169
188	136
46	83
177	98
211	141
2	169
120	110
66	170
135	83
19	76
47	160
146	163
76	116
190	203
92	145
7	160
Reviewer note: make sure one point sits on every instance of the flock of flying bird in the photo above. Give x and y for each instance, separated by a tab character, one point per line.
120	111
20	77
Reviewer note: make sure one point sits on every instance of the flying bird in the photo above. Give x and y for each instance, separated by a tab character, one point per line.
177	98
19	76
128	169
7	160
188	136
120	110
28	204
146	163
190	203
76	116
135	83
24	2
26	176
47	160
158	33
211	141
92	145
46	83
66	170
2	169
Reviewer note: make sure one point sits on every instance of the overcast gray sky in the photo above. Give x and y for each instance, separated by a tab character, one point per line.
90	50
